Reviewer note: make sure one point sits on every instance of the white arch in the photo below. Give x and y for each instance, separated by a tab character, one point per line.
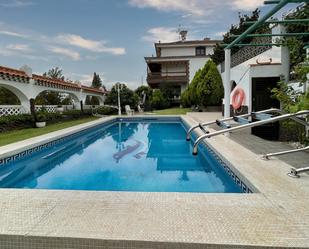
23	98
71	94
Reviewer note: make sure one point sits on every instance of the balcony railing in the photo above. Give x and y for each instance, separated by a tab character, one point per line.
167	77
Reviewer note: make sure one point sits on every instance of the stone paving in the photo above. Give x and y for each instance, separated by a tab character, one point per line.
275	217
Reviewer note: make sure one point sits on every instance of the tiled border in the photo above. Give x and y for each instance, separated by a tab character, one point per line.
236	177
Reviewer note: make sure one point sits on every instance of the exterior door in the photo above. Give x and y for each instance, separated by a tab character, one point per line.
261	100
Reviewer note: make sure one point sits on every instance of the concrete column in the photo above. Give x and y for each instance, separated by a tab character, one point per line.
227	83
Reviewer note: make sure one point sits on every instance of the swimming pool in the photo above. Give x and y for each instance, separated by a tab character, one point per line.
148	155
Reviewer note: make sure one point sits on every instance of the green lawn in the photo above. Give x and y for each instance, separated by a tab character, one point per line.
18	135
173	111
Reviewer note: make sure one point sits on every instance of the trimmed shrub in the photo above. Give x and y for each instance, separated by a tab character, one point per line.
13	122
106	110
210	89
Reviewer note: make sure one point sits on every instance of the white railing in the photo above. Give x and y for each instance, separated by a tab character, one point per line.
7	110
47	108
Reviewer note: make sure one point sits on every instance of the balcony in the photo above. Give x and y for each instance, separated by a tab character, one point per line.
167	77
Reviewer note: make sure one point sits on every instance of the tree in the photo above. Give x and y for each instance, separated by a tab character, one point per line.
205	89
54	73
7	97
127	96
237	29
96	81
141	90
48	98
210	89
158	100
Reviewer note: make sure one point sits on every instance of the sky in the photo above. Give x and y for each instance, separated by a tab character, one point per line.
109	37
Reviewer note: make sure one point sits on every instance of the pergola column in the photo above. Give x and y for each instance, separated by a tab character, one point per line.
227	83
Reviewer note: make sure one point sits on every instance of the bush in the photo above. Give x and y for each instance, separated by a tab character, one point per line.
40	117
210	89
74	113
16	122
205	89
158	101
106	110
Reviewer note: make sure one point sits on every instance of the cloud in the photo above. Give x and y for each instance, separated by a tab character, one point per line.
15	3
10	33
92	45
65	52
163	34
185	6
19	47
195	9
246	4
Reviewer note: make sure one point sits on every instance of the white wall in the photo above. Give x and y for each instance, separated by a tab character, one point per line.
243	73
184	51
195	65
189	51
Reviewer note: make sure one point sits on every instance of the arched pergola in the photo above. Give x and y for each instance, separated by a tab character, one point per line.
26	86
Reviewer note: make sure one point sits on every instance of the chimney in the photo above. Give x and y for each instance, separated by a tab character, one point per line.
183	34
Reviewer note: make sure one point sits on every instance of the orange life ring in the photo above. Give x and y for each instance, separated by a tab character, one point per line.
238	98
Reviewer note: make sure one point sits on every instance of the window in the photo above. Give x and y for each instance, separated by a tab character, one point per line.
199	51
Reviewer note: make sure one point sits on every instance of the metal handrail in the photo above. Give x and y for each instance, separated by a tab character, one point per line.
267	156
226	119
295	172
249	125
271	110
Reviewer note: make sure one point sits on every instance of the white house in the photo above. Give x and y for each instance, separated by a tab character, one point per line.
256	71
176	63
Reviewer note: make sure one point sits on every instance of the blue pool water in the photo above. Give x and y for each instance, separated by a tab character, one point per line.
124	156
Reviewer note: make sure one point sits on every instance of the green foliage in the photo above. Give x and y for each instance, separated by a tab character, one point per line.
106	110
210	89
292	101
127	96
54	73
48	98
141	90
296	45
158	100
7	97
237	29
96	81
205	89
40	117
73	113
67	101
16	122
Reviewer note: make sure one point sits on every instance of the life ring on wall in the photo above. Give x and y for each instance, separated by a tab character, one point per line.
238	98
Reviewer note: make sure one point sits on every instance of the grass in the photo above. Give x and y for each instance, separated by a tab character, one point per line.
172	111
18	135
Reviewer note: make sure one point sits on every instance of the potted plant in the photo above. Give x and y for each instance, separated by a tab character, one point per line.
40	120
60	109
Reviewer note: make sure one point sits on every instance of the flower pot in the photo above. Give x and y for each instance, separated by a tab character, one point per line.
40	124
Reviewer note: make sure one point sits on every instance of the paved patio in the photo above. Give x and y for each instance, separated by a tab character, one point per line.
258	145
275	217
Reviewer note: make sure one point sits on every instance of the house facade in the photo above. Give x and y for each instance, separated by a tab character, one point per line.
176	63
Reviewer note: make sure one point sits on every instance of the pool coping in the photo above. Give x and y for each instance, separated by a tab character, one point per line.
266	218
